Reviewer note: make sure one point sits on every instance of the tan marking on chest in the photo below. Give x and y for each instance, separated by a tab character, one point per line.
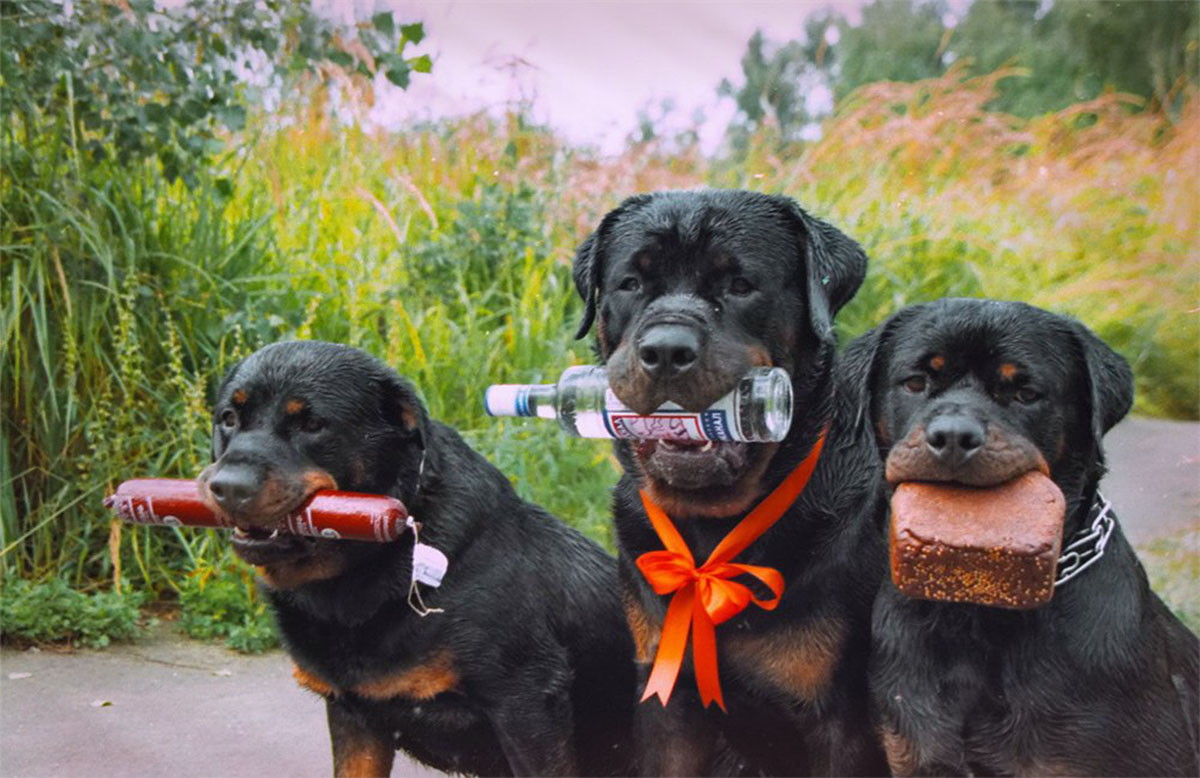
901	755
645	634
421	682
312	682
799	660
362	756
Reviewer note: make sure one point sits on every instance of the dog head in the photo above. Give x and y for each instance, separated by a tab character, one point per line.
978	392
297	417
688	290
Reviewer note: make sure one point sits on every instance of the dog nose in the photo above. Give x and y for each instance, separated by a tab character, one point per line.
234	488
954	439
668	350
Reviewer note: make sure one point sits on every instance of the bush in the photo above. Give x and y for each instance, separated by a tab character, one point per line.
53	612
223	602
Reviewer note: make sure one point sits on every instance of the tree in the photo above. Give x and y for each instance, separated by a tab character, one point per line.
130	78
771	89
898	40
1071	50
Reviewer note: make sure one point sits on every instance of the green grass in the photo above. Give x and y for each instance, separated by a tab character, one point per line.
446	251
53	612
1173	566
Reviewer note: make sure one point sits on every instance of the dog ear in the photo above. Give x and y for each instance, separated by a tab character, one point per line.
403	409
589	261
835	266
858	369
1109	379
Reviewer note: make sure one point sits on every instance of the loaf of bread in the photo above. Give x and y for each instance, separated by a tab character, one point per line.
327	514
994	546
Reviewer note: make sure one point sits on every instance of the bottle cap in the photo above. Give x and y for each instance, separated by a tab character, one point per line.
507	400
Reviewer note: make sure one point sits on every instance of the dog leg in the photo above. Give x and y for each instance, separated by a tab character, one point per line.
535	734
677	739
530	711
359	750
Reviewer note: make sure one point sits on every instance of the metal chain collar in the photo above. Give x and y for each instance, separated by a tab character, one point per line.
1087	545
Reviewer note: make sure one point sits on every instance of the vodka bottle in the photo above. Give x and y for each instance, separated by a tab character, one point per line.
759	409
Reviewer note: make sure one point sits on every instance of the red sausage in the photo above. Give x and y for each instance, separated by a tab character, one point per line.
328	514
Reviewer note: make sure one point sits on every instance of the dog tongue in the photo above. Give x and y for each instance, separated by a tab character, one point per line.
994	546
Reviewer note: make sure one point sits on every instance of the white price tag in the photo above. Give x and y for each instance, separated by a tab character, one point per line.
428	565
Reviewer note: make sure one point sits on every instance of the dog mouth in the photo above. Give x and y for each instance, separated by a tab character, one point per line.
260	546
692	464
1002	458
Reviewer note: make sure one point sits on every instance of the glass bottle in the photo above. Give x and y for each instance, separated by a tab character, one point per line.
758	410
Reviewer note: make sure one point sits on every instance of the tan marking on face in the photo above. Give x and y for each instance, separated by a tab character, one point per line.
408	417
645	634
316	480
293	406
312	682
759	357
240	397
297	572
798	660
1008	371
602	335
881	427
937	362
422	682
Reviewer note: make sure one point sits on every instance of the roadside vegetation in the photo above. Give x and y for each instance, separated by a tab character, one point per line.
128	288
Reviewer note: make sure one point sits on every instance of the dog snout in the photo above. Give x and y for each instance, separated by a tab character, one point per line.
669	350
234	488
954	438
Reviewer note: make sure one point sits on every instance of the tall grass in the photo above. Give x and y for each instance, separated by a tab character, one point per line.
446	251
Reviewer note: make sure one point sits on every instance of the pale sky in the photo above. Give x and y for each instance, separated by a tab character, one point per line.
588	66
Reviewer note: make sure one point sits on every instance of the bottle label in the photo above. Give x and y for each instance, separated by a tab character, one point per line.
670	422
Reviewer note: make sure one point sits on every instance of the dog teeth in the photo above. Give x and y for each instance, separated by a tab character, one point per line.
707	446
238	532
274	534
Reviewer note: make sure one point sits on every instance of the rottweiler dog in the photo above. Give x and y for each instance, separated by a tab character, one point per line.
1102	680
689	289
518	664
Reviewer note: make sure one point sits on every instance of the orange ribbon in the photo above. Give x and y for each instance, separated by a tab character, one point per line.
705	597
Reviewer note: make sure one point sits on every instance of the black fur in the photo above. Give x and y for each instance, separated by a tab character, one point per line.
686	251
531	642
1102	680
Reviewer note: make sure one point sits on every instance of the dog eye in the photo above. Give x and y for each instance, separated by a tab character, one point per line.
313	424
1027	396
630	284
741	286
229	418
916	384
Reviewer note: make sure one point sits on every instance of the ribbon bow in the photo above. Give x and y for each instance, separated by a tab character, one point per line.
705	596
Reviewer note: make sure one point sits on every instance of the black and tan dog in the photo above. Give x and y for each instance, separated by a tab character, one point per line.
1102	680
687	291
526	667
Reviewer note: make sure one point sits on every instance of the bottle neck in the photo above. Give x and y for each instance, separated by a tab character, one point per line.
541	401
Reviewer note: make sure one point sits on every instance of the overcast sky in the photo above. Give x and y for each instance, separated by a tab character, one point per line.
588	66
